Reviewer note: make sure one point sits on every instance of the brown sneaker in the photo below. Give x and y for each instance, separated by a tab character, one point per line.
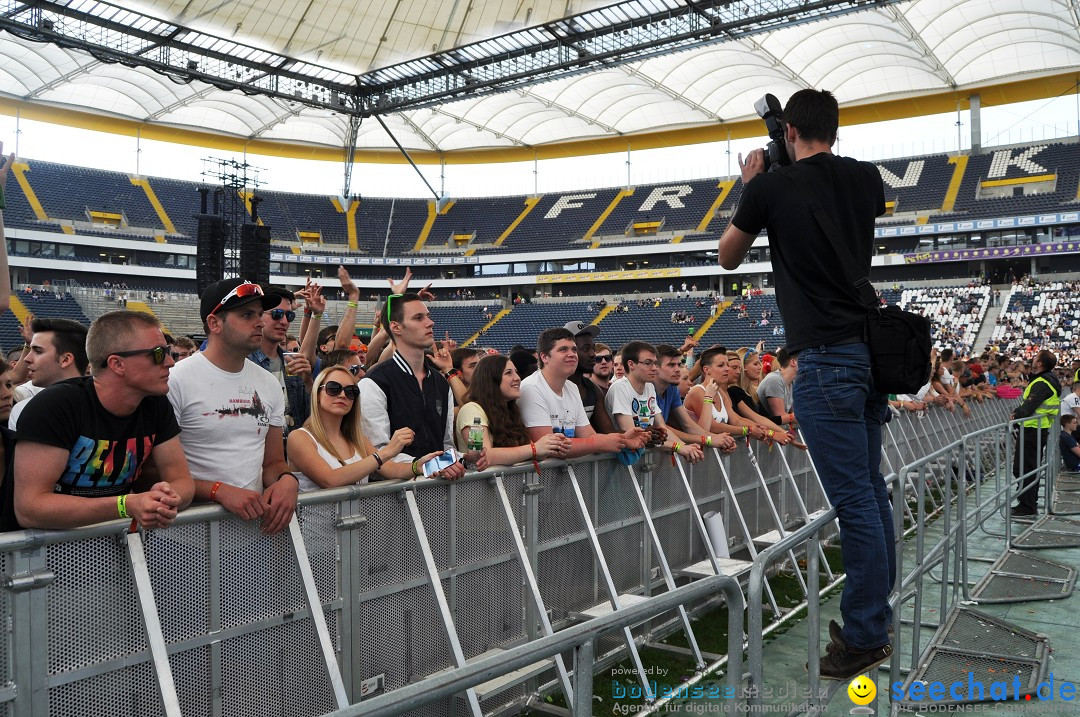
841	662
837	636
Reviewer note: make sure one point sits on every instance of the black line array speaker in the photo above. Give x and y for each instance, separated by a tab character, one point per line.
255	253
211	234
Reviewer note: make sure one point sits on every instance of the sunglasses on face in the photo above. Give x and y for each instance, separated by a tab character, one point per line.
354	369
333	388
158	352
603	359
242	292
276	314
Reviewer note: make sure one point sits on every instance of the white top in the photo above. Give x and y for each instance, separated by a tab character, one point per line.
719	410
25	391
623	399
540	406
224	418
306	484
17	409
465	416
1070	405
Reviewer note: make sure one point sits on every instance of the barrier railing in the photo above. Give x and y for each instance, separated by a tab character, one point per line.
907	441
442	588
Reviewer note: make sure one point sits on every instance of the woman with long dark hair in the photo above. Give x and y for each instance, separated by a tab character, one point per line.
492	397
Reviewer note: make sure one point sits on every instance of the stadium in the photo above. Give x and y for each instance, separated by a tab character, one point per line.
530	170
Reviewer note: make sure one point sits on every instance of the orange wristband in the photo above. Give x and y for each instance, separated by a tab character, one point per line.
214	490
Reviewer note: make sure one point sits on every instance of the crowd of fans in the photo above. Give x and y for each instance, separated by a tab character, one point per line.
1052	321
120	420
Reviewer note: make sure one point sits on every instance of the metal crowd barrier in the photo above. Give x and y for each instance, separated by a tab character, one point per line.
374	589
474	596
910	441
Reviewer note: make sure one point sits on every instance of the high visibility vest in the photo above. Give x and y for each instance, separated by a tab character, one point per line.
1045	413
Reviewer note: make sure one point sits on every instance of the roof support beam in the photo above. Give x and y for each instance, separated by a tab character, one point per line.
627	31
916	39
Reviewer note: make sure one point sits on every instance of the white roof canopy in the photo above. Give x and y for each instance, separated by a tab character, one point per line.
896	51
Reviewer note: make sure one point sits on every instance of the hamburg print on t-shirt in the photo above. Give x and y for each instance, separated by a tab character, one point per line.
103	467
244	406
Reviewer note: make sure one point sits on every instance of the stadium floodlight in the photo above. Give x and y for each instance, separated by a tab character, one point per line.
627	31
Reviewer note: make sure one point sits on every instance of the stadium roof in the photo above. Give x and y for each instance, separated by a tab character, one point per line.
890	60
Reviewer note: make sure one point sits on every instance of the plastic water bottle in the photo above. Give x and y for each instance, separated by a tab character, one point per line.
476	435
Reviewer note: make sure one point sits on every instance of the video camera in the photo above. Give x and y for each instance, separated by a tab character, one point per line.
769	109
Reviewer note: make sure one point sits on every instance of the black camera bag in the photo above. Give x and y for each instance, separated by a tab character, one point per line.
899	340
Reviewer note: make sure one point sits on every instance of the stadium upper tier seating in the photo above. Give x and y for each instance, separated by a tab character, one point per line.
1043	315
955	312
998	183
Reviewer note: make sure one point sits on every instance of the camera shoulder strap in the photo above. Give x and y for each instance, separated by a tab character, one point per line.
863	287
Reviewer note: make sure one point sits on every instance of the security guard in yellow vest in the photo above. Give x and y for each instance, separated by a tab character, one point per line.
1042	401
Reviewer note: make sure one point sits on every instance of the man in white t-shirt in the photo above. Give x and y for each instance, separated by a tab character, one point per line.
631	400
549	402
1070	404
231	412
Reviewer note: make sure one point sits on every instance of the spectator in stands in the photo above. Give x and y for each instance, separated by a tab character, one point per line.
524	362
685	384
330	450
774	391
493	396
550	403
710	405
669	399
1070	404
293	373
603	366
7	452
1041	403
347	359
83	443
592	395
290	343
841	418
632	401
327	340
183	348
408	391
618	370
1070	449
745	407
13	356
750	375
232	412
57	353
457	364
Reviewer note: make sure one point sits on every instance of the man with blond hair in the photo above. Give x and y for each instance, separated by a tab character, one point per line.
83	442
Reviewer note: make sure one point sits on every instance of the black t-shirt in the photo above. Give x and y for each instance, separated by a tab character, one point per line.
819	305
107	452
737	396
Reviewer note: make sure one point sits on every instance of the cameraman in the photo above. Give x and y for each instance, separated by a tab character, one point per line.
838	408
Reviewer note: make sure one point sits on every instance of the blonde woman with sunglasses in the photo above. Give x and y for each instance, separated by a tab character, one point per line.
331	451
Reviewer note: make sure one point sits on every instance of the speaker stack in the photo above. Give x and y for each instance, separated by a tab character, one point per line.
255	253
212	231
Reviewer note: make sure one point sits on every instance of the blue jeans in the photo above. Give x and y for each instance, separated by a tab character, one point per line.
841	417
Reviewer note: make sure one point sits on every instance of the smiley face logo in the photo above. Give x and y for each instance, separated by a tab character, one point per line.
862	690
